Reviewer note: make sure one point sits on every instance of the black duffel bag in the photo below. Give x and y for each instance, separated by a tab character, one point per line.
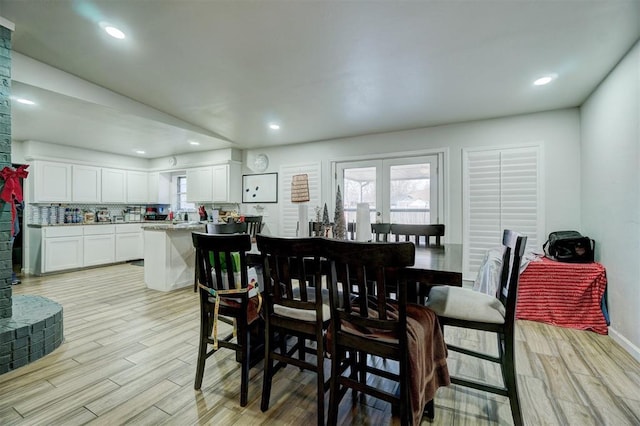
569	246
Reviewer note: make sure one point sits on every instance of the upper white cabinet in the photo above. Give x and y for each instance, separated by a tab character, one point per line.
114	186
159	188
226	183
200	184
137	187
86	184
51	182
219	183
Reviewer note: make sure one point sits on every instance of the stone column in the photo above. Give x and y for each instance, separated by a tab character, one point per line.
5	160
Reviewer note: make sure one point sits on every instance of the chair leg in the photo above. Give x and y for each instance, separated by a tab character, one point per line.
362	372
243	335
301	349
334	391
510	379
320	380
205	330
430	411
268	370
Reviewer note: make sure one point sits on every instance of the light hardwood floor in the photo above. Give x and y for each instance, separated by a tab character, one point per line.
129	357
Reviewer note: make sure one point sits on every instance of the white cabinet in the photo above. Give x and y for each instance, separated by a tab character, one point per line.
159	188
200	184
62	248
219	183
114	186
86	184
129	242
137	187
227	185
99	245
51	182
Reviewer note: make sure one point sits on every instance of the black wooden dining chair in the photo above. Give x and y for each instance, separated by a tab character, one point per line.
351	231
465	308
380	231
224	293
417	233
316	229
254	225
227	228
296	305
371	324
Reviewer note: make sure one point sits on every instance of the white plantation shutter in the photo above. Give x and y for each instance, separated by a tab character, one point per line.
289	210
502	190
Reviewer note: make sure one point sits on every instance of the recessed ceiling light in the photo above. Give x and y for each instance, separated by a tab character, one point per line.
24	101
139	151
544	80
112	31
274	126
194	143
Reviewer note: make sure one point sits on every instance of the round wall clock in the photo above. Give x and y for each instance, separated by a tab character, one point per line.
173	161
260	163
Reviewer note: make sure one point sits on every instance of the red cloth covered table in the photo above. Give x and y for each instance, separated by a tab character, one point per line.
563	294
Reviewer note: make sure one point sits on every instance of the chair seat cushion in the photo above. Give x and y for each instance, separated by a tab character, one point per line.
301	314
305	314
465	304
254	307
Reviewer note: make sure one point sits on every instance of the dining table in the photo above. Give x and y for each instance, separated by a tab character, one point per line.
445	258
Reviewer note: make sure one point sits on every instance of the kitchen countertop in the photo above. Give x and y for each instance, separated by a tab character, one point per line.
37	225
168	226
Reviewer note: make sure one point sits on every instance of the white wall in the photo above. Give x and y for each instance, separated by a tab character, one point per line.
558	132
610	191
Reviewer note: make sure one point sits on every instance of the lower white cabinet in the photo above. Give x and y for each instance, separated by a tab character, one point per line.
58	248
99	245
62	248
129	242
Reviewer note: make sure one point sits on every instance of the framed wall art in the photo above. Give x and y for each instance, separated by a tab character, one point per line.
260	188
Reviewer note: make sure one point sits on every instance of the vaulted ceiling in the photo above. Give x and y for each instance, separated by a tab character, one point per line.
218	73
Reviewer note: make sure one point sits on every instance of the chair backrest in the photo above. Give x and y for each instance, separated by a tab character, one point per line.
218	255
351	231
290	267
514	245
316	229
362	274
227	228
408	232
380	231
254	225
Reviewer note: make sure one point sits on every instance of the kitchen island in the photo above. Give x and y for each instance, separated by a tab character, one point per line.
169	256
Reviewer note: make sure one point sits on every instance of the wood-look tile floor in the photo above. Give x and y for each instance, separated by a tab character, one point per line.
129	358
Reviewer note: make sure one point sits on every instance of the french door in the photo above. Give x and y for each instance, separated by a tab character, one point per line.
398	190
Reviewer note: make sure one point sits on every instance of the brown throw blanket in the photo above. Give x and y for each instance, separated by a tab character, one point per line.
427	357
427	352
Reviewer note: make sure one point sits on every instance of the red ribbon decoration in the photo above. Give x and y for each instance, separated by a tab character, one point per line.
12	189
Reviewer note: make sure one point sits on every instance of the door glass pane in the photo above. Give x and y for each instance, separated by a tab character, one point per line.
410	193
359	187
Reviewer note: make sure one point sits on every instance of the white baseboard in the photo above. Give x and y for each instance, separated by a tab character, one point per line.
625	343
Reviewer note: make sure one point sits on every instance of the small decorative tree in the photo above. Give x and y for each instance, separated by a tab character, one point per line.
326	225
339	230
325	216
